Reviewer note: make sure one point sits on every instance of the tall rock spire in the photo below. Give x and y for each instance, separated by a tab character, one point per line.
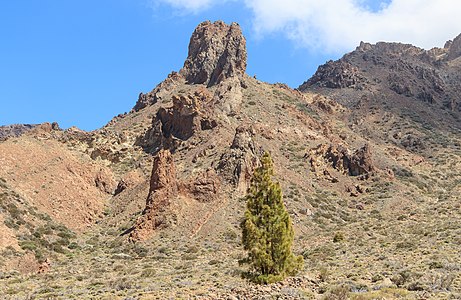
216	51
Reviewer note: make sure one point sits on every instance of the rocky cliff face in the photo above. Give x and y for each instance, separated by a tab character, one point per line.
339	74
217	51
190	113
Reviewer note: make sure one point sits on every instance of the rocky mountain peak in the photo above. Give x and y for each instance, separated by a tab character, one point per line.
216	51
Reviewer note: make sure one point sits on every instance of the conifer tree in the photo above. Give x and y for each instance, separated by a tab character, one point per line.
267	230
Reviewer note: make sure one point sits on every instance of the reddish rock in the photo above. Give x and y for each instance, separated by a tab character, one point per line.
104	181
205	187
129	180
361	162
163	190
44	267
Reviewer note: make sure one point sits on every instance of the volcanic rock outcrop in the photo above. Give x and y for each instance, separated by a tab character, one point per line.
216	51
339	158
163	190
16	130
237	164
205	187
170	126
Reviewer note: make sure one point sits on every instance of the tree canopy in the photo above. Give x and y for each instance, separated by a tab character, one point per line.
267	230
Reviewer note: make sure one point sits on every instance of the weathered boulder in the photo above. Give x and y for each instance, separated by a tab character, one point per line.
229	96
216	51
361	162
128	181
399	85
104	181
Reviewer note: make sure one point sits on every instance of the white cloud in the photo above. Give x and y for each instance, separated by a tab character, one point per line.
193	6
339	25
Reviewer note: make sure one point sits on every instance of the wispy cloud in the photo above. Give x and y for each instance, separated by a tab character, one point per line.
192	6
339	25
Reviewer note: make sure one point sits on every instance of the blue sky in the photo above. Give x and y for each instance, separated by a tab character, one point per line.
81	62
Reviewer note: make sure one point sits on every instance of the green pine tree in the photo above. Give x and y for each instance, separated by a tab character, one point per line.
267	230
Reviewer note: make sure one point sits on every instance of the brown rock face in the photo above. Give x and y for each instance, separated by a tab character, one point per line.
170	126
237	165
339	157
361	162
104	181
128	181
163	190
205	187
216	51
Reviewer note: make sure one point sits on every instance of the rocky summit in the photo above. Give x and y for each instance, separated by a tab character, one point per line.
367	152
216	51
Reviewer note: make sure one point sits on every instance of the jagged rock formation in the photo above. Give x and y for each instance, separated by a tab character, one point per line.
170	126
217	51
163	190
129	180
238	163
217	56
14	130
340	158
161	91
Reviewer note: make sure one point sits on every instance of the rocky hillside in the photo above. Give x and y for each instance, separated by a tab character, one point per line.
149	206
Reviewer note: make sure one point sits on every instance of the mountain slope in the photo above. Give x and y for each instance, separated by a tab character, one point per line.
366	151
